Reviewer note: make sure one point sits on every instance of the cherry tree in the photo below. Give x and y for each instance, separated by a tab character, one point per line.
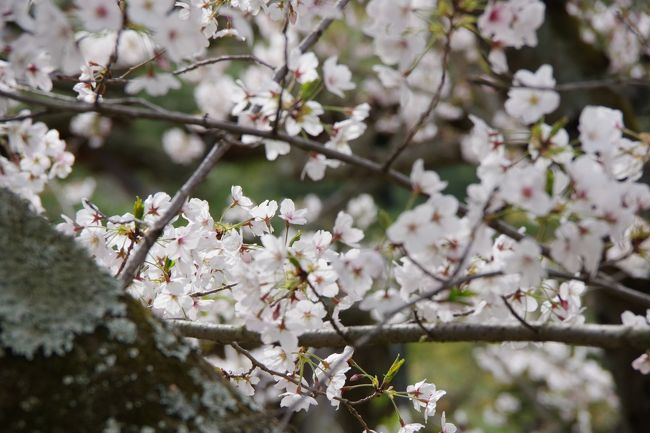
547	256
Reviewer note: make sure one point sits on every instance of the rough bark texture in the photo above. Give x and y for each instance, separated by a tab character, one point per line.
76	355
633	388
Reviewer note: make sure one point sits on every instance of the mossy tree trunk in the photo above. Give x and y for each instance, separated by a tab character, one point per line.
77	355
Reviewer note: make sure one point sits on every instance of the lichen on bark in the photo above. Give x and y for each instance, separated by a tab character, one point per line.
77	355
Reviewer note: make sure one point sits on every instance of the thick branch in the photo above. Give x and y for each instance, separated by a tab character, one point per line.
605	336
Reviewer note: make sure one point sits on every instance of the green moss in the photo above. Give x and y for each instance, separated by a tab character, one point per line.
50	290
123	370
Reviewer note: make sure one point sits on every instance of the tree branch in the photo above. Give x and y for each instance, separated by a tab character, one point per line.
565	87
156	229
604	336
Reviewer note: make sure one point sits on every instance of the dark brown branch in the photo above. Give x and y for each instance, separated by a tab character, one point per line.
226	58
213	291
518	316
31	115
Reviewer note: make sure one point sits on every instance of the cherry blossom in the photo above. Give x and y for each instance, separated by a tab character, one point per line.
296	399
525	261
181	37
305	118
363	210
316	166
143	10
553	212
182	148
524	186
635	321
303	66
532	101
337	78
642	363
91	126
344	232
99	15
425	181
331	372
290	214
424	395
411	427
512	23
446	427
600	128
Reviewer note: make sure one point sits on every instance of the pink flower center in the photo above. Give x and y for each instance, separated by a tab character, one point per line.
101	12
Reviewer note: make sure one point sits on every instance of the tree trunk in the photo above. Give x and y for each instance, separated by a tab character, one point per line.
77	355
632	387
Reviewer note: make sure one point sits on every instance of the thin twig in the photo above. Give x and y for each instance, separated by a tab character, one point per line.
139	65
356	415
421	267
99	87
213	291
134	100
31	115
433	103
292	379
328	314
311	39
518	316
283	81
419	322
225	58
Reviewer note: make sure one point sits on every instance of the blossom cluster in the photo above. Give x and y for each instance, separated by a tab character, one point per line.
576	197
239	269
623	27
31	155
567	381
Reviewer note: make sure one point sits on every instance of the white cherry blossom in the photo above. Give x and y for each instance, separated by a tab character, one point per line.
337	77
181	147
99	15
525	260
303	66
290	214
600	128
529	99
